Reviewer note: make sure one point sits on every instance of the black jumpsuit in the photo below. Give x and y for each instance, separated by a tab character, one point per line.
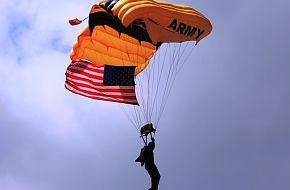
150	165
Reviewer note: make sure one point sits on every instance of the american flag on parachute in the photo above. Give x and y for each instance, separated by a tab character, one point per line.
108	83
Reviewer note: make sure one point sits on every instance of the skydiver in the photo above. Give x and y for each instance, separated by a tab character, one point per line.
147	157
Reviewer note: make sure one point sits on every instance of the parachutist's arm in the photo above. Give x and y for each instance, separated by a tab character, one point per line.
152	144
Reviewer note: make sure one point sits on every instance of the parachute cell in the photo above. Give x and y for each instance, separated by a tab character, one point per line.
165	22
106	41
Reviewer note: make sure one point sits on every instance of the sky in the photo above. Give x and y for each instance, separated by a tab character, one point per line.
226	124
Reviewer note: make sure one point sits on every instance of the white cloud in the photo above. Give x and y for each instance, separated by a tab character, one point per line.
37	40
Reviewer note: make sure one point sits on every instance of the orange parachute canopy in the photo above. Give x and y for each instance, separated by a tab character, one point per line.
121	38
106	41
165	22
132	36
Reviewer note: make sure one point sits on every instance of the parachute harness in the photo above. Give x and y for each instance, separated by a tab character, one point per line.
145	130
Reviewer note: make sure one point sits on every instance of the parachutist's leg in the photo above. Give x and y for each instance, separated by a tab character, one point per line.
155	176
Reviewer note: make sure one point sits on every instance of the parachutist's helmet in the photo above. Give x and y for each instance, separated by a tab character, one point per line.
146	129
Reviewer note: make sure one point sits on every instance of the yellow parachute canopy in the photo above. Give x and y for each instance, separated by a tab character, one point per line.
107	44
118	43
165	22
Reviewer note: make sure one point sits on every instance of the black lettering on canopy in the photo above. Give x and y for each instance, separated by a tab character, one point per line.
173	24
199	33
185	29
190	31
181	27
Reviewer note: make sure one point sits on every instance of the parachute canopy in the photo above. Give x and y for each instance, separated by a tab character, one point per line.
165	22
119	41
106	41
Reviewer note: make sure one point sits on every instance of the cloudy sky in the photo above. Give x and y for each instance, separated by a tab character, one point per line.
226	125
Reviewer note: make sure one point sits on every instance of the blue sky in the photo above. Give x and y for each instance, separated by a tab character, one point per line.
226	125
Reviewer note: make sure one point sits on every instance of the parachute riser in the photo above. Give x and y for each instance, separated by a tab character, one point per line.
144	139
